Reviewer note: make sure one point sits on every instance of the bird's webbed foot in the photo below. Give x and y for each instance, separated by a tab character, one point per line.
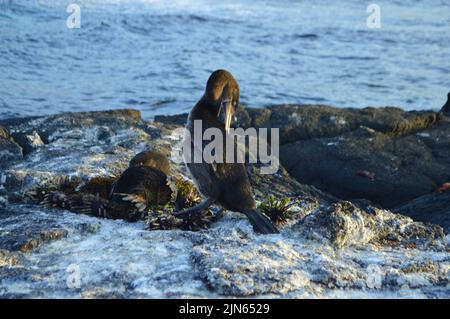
196	209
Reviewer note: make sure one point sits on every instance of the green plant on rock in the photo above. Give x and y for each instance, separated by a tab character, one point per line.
187	195
196	222
277	210
161	218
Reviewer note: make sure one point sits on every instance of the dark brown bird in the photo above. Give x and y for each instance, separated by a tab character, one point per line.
151	159
446	107
224	183
145	183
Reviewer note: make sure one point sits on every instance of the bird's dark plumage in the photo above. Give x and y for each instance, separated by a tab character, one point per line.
225	183
446	107
145	183
152	159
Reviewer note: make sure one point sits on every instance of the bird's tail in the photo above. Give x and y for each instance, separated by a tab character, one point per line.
261	223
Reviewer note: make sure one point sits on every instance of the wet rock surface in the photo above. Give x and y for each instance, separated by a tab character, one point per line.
235	262
114	258
368	164
316	121
9	150
433	208
329	248
343	224
385	155
20	233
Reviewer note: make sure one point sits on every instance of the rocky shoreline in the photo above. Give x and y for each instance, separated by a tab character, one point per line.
368	220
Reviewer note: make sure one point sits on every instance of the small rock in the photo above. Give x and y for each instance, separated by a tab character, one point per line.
88	228
8	259
432	208
9	150
29	141
344	224
4	133
29	240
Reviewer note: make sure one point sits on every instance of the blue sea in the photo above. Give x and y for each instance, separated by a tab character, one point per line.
156	55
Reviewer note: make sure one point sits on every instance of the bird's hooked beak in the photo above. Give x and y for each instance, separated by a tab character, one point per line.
226	108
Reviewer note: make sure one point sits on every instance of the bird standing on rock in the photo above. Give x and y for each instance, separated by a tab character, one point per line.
224	183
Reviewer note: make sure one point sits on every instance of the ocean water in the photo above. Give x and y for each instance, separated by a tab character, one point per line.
156	55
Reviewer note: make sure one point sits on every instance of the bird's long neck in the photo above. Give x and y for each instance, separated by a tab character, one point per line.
202	111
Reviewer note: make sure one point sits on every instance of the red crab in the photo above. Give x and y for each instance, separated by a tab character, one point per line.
443	188
369	175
